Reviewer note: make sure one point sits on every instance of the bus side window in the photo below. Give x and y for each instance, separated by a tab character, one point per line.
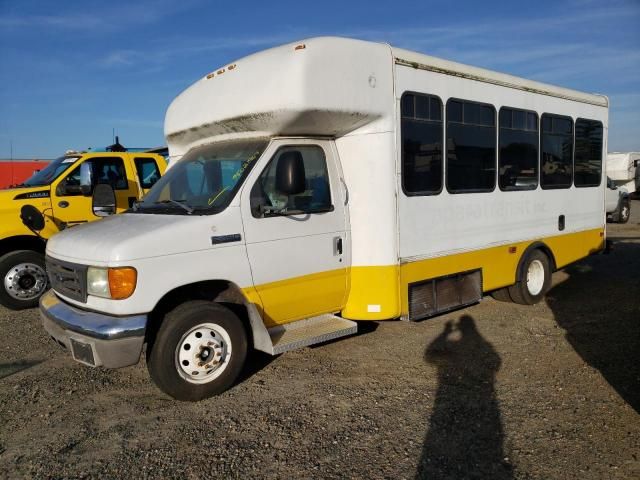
421	130
556	151
518	153
471	147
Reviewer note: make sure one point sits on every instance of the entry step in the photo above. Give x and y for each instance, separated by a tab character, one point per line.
309	332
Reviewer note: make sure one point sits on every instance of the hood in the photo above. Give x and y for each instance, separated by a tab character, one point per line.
132	236
12	200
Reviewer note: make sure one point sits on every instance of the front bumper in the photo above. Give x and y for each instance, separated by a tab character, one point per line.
92	338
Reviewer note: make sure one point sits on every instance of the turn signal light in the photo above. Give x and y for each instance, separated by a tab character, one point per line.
122	282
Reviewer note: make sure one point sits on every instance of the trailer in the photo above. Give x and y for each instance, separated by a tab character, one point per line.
624	170
14	172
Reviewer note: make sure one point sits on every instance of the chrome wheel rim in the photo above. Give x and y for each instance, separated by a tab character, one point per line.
535	277
625	212
25	281
203	353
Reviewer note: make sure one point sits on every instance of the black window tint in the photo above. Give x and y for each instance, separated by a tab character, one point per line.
436	108
422	107
556	152
588	155
267	200
454	111
148	171
518	154
408	105
421	136
471	147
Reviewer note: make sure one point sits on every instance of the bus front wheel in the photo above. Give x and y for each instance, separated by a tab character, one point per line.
199	351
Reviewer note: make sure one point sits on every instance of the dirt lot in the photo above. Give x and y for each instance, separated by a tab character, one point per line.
493	391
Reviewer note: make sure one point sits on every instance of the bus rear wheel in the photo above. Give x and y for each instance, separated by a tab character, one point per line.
535	279
199	351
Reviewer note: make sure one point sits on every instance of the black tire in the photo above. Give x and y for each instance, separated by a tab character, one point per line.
624	211
520	292
502	295
162	355
9	262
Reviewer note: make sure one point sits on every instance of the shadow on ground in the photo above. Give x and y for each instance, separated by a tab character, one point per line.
465	436
8	369
599	308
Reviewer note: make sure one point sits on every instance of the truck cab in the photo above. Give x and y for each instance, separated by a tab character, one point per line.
56	192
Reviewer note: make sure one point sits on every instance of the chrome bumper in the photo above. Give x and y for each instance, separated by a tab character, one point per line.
92	338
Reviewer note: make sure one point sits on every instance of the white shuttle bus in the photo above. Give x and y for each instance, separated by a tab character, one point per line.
323	182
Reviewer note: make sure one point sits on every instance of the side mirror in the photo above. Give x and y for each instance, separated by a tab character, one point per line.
32	218
290	176
103	201
86	179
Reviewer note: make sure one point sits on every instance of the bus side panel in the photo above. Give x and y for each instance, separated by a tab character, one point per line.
447	233
498	264
369	174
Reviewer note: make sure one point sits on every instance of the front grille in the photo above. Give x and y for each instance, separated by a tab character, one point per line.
68	279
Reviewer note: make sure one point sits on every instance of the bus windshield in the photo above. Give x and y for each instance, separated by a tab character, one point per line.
51	172
205	180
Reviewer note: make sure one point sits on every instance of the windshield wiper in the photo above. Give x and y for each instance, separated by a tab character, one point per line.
187	208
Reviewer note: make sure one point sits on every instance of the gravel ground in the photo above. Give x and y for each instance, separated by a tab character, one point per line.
493	391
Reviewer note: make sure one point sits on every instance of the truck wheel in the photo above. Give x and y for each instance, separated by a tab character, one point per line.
625	211
198	352
24	279
535	279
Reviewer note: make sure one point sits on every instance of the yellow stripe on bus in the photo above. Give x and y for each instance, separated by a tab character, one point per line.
381	292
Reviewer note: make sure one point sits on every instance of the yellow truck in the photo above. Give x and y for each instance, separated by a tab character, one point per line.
57	192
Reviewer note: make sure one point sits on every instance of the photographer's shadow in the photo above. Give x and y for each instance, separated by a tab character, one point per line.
465	436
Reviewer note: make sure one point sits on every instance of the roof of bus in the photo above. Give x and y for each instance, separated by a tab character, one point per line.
328	86
447	67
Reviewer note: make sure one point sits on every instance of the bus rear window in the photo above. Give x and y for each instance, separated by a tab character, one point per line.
588	156
556	151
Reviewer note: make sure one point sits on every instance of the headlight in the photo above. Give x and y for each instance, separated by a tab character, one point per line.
115	283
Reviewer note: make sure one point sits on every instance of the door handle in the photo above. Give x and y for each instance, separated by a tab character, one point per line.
63	204
337	246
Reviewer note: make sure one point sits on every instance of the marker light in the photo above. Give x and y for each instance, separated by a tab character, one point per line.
122	282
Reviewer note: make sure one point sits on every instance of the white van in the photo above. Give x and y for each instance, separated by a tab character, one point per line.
309	187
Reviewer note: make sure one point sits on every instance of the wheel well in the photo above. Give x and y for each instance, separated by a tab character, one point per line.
221	291
544	248
22	242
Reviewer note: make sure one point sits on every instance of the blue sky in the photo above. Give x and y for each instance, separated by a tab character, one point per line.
73	70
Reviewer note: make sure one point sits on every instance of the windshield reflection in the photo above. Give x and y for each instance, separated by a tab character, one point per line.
205	180
51	172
